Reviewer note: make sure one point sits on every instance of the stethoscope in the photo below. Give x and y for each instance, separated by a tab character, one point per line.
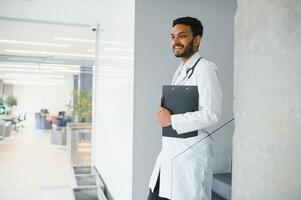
192	68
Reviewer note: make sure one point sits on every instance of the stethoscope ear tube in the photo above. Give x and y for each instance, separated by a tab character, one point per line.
192	68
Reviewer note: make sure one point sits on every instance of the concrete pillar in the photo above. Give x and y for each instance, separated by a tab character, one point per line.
267	79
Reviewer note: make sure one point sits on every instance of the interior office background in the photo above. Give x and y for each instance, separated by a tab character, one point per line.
41	84
137	89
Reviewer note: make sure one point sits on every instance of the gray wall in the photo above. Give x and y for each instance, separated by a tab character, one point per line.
266	143
155	65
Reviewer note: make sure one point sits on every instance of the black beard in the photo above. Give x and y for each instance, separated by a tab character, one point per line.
187	52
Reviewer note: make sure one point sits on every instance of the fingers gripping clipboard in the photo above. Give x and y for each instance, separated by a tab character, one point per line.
179	99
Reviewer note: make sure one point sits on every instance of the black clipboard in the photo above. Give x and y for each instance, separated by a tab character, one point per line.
179	99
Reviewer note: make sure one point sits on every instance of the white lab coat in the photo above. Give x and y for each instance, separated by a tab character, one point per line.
186	169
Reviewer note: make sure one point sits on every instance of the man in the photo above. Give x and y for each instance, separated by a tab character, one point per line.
183	170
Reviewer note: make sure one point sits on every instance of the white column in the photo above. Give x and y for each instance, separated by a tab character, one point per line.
267	79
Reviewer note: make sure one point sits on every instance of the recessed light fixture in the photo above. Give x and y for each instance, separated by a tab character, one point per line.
19	65
60	65
111	42
33	43
88	41
50	61
33	75
25	70
53	67
69	54
119	49
47	83
118	57
69	70
26	59
74	39
38	66
50	53
106	66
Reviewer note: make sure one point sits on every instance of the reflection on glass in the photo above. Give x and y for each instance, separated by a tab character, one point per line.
45	105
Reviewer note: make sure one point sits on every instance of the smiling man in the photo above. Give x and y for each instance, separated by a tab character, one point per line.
183	170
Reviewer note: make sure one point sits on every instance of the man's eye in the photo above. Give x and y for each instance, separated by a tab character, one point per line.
182	36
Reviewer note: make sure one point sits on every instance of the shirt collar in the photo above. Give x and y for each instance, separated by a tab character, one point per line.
189	64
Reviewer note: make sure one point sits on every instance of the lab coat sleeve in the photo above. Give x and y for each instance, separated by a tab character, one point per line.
210	102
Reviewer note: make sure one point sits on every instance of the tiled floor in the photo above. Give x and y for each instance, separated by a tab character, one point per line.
31	168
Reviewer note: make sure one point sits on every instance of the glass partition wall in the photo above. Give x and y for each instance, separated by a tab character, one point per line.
46	90
113	111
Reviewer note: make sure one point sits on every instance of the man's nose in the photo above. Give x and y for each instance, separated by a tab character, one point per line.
174	41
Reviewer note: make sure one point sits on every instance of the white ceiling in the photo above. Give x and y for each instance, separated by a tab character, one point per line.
48	34
40	21
29	48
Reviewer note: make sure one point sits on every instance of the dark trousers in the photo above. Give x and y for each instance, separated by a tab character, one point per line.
155	195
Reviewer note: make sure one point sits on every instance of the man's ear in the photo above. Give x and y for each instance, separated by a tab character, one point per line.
197	40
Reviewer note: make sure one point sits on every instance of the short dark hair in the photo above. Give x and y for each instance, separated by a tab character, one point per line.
195	24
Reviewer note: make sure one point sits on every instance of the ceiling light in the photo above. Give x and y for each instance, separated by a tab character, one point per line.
71	71
105	66
119	49
50	53
61	65
88	41
33	75
26	59
50	61
107	71
53	67
18	65
33	43
39	66
25	70
74	39
118	57
29	83
111	42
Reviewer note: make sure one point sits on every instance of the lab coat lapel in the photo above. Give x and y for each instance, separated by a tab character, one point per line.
181	73
181	77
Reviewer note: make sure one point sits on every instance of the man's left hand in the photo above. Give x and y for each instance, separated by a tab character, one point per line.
163	117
